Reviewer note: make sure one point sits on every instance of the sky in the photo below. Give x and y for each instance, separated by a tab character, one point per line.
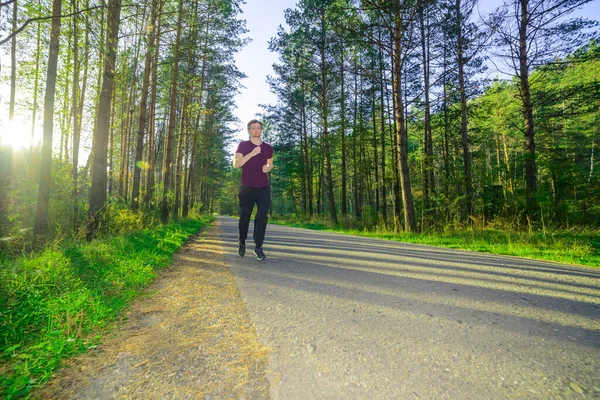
263	17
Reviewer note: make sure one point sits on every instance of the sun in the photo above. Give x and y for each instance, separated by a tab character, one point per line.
16	133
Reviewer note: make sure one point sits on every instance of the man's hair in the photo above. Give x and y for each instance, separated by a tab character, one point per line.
254	121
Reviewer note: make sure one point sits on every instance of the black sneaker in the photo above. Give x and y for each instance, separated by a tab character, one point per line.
259	254
242	249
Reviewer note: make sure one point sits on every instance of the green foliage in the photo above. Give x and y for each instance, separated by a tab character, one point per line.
228	201
59	302
17	227
337	46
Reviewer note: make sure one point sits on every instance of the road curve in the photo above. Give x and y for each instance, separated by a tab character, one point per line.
350	317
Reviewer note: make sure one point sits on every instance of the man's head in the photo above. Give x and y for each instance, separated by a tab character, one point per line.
254	128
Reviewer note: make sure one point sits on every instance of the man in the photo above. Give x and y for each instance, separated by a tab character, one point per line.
255	157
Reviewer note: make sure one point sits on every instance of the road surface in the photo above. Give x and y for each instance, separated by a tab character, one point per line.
351	317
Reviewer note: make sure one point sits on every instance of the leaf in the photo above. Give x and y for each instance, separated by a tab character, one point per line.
11	349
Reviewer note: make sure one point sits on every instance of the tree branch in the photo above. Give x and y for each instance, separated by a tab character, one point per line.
30	20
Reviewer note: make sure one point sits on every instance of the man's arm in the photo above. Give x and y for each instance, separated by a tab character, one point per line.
239	159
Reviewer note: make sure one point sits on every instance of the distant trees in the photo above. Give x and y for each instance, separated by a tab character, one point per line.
151	134
383	116
407	86
529	34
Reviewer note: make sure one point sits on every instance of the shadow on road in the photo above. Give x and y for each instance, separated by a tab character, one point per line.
538	298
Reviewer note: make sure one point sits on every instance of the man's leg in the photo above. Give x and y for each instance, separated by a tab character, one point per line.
260	221
246	206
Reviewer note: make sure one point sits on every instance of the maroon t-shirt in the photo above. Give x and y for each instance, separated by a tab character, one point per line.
252	174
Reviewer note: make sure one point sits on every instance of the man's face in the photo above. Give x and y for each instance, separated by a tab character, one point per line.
255	130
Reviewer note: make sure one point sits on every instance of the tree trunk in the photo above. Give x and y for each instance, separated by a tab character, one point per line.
394	141
530	168
321	172
111	147
168	156
74	113
126	139
357	129
6	153
78	101
188	191
306	153
189	178
41	215
36	81
325	110
428	141
446	137
97	195
591	174
143	118
190	184
186	170
126	128
183	132
375	139
382	135
464	123
152	122
344	209
410	221
66	113
13	64
304	181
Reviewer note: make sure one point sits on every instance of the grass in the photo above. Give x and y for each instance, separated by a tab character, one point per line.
579	247
59	302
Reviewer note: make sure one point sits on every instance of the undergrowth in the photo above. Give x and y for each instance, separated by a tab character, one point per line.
59	302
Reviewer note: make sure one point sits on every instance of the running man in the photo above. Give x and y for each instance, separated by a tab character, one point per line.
255	157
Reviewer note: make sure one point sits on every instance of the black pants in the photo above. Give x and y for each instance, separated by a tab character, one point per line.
248	196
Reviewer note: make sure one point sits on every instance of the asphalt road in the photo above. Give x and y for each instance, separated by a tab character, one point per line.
350	317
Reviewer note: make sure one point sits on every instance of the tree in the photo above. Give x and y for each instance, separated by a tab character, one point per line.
168	158
428	170
529	33
143	120
152	117
41	215
97	195
402	17
13	62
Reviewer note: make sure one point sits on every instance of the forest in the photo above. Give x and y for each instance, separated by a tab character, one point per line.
416	116
120	112
410	116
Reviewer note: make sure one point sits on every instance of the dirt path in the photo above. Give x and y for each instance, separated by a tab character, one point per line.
189	337
351	317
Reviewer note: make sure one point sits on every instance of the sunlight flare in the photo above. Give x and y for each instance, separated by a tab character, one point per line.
16	133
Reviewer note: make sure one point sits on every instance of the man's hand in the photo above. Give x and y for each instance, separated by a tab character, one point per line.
239	160
266	168
255	151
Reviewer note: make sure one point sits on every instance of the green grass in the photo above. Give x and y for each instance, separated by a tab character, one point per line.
59	302
579	247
